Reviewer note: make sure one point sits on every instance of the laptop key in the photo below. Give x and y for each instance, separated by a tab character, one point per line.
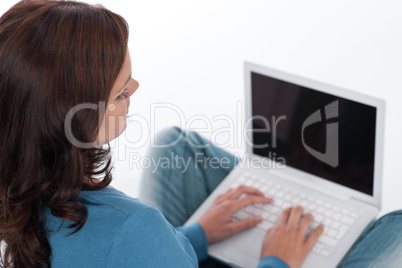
235	185
241	179
345	211
312	207
273	218
320	210
265	225
271	191
318	247
264	215
336	225
302	196
337	216
296	201
319	218
249	209
304	204
279	194
325	252
327	222
332	233
328	213
347	220
257	185
278	186
257	211
342	231
274	210
327	240
249	182
319	202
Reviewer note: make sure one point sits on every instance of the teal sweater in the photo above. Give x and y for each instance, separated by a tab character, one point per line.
124	232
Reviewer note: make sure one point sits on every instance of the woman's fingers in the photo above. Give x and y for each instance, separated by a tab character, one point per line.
283	219
304	223
314	236
294	218
248	200
248	223
237	192
222	197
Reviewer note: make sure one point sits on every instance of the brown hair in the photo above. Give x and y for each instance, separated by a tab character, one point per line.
54	55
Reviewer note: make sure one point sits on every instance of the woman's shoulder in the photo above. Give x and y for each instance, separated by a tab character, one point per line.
111	200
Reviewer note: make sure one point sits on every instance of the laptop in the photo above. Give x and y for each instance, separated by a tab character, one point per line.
309	144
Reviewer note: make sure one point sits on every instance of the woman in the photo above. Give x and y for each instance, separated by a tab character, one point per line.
62	64
65	84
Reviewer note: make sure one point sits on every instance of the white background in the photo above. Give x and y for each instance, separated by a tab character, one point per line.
190	54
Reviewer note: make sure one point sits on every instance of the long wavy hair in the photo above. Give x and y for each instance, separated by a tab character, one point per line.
54	55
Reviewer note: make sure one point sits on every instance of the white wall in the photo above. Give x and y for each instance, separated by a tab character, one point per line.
190	54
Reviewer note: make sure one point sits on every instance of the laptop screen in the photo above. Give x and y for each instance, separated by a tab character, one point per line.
322	134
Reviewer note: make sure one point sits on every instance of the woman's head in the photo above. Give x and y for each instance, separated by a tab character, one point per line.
55	56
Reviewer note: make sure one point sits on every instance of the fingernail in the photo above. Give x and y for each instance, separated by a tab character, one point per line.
258	219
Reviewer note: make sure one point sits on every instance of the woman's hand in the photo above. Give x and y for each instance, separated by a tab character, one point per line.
217	221
287	238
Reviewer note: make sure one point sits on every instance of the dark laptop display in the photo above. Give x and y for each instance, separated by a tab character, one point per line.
319	133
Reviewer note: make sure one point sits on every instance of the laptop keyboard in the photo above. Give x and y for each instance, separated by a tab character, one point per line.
336	220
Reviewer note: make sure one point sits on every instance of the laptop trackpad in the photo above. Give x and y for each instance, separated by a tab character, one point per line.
245	248
240	259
